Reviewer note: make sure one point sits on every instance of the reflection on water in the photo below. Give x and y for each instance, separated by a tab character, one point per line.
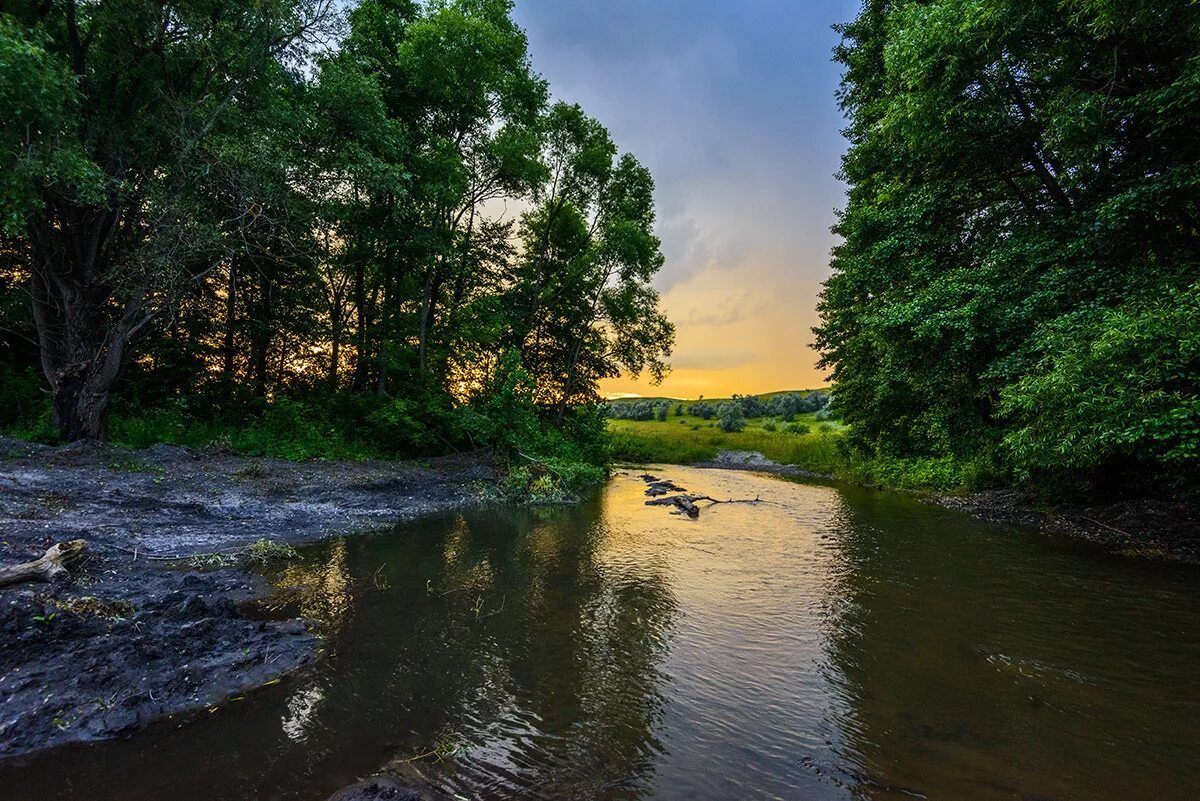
826	644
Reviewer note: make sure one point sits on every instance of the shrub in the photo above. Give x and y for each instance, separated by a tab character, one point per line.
550	481
731	418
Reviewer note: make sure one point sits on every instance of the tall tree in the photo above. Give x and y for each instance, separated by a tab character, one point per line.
1017	170
104	200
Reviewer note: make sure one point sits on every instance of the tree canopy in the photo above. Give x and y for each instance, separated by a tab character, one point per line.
225	203
1020	256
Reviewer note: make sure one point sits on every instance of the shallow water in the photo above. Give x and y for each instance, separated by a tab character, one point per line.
828	643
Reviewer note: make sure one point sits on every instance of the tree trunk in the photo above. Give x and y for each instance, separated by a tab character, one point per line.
79	406
433	286
261	338
83	330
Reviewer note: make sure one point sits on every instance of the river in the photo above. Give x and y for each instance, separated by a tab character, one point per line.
826	643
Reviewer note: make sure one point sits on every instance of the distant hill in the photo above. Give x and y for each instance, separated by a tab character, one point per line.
763	395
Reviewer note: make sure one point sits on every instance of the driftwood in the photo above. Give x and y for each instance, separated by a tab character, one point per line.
687	503
51	566
657	488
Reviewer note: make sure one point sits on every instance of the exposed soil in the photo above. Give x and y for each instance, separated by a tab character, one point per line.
1141	527
137	634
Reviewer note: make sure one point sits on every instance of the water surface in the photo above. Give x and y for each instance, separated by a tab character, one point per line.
828	643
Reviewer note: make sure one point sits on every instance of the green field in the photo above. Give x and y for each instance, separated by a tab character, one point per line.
689	439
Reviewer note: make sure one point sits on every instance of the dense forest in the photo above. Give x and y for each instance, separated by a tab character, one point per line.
313	231
1017	282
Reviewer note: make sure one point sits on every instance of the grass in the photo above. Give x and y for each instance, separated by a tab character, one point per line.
688	439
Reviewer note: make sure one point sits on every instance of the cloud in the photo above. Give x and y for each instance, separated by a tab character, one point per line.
712	359
727	311
732	107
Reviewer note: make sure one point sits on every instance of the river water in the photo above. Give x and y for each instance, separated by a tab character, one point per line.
826	643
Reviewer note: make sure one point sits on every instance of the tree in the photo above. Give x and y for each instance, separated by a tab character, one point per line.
233	211
138	89
1017	170
584	306
730	417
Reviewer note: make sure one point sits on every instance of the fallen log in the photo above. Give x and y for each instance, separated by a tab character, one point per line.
687	503
53	565
687	507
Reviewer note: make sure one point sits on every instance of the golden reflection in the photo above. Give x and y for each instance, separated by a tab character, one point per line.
323	590
456	541
545	543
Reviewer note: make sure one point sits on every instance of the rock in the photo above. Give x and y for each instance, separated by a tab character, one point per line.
378	788
119	720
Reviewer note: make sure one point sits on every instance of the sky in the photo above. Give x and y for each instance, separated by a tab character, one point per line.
731	105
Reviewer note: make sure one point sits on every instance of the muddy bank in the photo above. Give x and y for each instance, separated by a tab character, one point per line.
140	634
1142	527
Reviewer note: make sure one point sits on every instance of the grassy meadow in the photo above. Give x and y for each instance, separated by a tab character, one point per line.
686	439
805	442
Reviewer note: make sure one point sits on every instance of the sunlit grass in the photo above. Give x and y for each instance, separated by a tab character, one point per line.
688	439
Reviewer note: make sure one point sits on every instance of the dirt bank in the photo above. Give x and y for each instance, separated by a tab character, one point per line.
136	635
1141	527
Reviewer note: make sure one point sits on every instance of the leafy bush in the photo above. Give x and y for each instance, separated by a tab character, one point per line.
22	401
731	418
550	481
504	417
1116	391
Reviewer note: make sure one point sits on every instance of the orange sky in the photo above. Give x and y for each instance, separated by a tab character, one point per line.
745	330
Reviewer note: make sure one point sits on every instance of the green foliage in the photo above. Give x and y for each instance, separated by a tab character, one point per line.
1022	182
730	417
21	399
504	418
281	225
1138	366
551	481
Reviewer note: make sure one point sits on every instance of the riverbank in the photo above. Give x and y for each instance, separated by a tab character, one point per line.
152	624
1139	527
